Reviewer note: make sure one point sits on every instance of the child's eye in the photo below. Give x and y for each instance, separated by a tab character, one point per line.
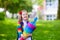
23	14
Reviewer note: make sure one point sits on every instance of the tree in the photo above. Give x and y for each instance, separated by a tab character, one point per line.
40	2
59	10
14	6
20	5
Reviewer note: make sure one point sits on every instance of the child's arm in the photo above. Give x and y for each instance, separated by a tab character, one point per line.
33	14
19	30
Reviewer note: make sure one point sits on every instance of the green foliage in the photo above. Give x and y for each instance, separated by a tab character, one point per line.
15	6
40	2
2	15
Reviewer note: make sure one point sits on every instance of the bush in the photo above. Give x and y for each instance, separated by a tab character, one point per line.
2	15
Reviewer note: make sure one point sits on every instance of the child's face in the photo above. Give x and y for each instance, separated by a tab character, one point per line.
25	15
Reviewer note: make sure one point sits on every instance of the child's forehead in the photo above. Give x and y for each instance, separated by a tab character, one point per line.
24	12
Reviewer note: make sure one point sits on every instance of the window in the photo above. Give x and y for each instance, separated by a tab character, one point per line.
53	15
47	15
49	2
47	18
50	17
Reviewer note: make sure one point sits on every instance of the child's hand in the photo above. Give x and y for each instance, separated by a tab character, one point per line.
21	38
22	35
29	34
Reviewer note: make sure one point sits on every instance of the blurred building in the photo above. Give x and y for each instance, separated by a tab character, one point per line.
49	9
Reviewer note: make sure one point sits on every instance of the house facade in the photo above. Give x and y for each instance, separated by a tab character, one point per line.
49	9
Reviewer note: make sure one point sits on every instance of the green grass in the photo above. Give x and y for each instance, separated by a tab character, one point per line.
8	29
45	30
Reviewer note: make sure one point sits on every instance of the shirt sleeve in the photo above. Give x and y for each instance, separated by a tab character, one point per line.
33	15
34	21
19	30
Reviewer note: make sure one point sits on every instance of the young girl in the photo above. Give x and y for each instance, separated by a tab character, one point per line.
23	21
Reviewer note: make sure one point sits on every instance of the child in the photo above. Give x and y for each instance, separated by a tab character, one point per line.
23	21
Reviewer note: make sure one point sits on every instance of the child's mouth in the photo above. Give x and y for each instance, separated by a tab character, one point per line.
24	17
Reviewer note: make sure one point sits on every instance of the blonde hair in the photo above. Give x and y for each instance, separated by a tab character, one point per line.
24	11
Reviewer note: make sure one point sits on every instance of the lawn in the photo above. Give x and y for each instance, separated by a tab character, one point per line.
45	30
8	29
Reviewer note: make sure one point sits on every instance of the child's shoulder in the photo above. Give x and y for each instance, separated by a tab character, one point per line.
20	22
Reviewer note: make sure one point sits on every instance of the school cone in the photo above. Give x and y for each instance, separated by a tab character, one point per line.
29	29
